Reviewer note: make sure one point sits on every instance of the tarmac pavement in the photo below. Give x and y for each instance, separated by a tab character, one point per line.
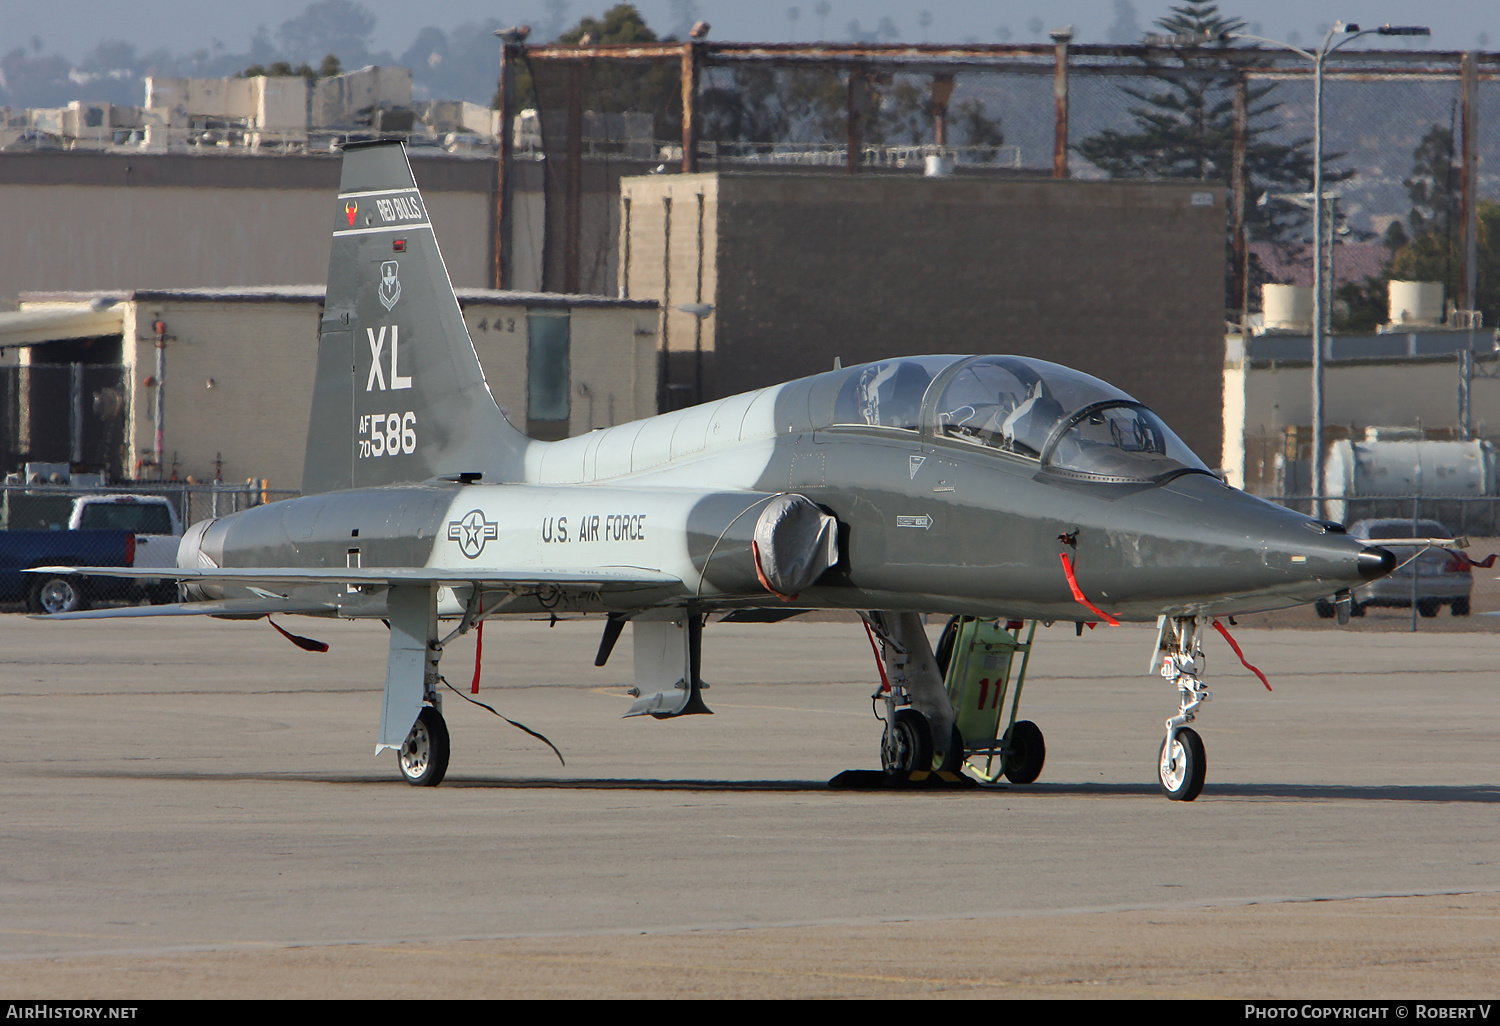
191	808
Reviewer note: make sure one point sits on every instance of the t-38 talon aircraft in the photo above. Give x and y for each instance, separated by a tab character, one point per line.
989	486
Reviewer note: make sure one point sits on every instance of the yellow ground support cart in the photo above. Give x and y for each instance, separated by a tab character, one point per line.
980	664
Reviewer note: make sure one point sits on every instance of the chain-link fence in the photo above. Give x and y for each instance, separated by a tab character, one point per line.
1405	140
43	507
1460	516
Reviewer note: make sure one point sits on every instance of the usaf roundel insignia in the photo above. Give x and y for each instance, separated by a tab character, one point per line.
472	532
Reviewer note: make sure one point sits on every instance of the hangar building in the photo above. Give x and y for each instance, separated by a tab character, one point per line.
82	386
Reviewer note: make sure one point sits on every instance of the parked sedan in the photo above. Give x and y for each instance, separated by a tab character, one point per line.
1442	577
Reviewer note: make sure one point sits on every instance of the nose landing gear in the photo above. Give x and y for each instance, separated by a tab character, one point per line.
1181	765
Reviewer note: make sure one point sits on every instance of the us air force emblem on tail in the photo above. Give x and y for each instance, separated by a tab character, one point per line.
390	284
472	532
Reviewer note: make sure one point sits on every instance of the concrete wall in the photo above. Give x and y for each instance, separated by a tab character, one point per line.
78	221
612	360
1123	280
260	358
670	253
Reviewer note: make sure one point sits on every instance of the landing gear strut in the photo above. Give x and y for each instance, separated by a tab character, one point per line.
1181	765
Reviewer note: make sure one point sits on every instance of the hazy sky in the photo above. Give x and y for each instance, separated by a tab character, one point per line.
73	27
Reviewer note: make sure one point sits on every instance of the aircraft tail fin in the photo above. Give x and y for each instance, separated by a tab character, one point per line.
399	394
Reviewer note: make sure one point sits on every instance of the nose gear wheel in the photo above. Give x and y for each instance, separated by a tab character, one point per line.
1182	765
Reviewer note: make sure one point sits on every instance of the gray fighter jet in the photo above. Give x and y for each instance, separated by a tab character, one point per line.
974	486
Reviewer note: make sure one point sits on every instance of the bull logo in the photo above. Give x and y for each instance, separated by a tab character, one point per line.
390	285
350	209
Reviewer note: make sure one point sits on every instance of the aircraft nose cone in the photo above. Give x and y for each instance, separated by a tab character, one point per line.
1376	562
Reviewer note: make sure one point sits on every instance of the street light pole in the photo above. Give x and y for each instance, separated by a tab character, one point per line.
1317	325
1349	33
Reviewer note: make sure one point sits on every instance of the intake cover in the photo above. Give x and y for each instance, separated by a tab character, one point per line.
796	542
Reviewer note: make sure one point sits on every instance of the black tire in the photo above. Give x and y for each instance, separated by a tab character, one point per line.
907	744
1324	609
1183	774
1428	607
944	654
162	594
51	595
423	758
1026	751
1356	609
1460	606
953	760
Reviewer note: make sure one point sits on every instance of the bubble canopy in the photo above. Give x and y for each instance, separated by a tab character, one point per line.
1072	424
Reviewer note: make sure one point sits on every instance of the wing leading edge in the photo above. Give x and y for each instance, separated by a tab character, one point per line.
603	579
608	578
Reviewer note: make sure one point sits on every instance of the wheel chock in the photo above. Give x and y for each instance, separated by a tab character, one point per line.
927	780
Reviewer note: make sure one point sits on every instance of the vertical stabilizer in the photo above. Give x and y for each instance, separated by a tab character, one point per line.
400	396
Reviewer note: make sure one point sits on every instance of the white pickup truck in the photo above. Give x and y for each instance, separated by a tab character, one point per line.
157	529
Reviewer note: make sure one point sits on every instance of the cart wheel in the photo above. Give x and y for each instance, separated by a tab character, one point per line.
1428	607
907	743
953	761
944	653
1460	606
1025	752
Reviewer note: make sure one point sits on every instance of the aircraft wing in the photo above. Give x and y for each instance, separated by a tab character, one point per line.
607	578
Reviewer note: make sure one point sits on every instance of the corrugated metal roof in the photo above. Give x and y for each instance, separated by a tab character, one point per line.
315	293
54	324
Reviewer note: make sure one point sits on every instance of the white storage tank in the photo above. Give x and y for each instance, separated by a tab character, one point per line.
1416	304
1389	469
1287	307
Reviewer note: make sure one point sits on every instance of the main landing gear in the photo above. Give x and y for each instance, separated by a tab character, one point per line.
921	731
412	718
1181	765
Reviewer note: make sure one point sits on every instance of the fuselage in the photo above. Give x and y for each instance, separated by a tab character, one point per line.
931	517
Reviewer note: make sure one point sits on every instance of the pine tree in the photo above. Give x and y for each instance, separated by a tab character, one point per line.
1184	128
1433	182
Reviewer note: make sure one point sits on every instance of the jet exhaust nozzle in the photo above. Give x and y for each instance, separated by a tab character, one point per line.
1376	562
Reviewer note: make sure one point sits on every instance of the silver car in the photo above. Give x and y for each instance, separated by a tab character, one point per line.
1442	578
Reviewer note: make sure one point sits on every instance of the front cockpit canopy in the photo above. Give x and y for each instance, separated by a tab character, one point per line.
1072	424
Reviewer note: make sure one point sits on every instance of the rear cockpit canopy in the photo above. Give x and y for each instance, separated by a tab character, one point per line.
1070	423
